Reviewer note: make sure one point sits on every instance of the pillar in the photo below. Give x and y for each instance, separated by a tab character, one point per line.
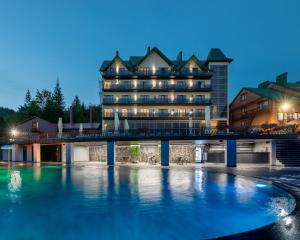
230	153
273	158
66	153
36	152
110	153
164	153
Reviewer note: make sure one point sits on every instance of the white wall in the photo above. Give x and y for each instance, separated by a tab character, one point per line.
262	147
81	153
154	60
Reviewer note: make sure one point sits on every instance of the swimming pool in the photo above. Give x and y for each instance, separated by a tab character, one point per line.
98	202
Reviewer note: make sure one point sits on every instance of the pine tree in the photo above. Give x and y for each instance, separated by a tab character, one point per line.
58	101
28	98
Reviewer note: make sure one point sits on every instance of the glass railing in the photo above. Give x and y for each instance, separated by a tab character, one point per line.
157	87
156	101
158	114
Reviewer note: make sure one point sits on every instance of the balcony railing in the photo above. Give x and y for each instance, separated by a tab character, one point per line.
156	101
157	73
151	114
164	87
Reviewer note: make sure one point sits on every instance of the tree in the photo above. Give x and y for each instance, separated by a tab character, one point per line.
58	100
42	98
28	98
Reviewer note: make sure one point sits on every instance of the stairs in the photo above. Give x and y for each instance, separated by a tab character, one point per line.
288	152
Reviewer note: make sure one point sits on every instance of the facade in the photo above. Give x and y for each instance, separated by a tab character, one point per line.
276	103
154	87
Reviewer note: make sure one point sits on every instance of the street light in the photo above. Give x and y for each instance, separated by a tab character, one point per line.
285	106
14	132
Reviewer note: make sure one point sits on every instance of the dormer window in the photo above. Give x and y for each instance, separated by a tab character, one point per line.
243	97
35	126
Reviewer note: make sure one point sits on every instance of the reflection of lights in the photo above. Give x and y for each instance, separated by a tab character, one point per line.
288	221
260	185
15	182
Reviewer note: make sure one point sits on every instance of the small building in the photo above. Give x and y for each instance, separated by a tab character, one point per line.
271	103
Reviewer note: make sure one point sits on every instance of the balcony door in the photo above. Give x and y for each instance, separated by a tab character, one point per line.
145	112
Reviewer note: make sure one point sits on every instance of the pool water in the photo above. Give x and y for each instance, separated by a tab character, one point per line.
99	202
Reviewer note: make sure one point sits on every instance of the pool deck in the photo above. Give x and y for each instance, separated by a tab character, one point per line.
286	178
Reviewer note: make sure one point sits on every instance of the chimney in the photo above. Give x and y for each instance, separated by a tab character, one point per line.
71	114
179	57
282	78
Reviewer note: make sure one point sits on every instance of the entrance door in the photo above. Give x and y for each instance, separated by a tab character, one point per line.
198	155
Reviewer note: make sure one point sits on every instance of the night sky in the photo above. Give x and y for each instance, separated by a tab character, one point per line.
41	40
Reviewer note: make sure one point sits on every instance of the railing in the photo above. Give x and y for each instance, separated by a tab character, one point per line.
157	115
249	113
156	101
164	87
155	130
158	73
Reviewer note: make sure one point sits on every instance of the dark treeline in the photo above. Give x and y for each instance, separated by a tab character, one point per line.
49	105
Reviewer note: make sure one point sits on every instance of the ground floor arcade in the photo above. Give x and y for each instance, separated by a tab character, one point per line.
164	152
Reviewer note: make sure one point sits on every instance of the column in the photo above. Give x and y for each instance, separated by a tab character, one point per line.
164	153
66	153
110	153
230	153
36	152
273	158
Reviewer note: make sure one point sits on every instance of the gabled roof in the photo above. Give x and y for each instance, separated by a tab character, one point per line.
273	94
195	59
106	64
156	50
34	117
216	55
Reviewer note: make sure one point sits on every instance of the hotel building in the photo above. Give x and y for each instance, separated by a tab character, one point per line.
154	87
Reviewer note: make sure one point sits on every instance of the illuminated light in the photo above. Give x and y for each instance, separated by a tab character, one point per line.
117	110
14	132
135	111
153	83
191	112
117	99
285	106
190	83
117	82
172	97
153	69
288	221
135	97
135	83
260	185
172	112
159	84
117	69
172	82
191	99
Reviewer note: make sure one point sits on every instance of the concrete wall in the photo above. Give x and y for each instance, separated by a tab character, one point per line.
80	153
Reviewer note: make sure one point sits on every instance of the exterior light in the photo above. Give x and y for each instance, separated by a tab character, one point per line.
261	185
191	112
117	82
135	83
159	84
172	112
191	99
14	132
153	69
117	99
135	97
135	111
172	97
153	83
172	82
117	69
190	83
285	106
117	110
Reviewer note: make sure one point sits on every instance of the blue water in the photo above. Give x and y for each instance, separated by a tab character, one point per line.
91	202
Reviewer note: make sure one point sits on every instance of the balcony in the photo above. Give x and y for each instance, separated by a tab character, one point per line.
157	115
161	73
153	101
157	88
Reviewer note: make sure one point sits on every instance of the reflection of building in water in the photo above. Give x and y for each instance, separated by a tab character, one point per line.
15	181
199	179
149	184
181	184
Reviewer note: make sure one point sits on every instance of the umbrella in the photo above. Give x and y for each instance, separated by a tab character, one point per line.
117	122
126	126
80	129
60	127
207	117
190	124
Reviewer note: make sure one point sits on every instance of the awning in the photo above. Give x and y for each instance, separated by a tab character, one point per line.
7	147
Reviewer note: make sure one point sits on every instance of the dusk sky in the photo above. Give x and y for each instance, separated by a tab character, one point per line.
41	40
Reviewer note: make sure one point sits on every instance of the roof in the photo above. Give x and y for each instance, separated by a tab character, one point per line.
216	55
273	94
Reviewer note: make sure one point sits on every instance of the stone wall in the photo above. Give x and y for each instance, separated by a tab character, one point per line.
98	153
186	152
123	154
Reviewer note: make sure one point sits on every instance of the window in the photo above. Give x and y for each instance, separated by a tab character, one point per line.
107	85
181	98
181	112
163	112
243	97
35	126
108	112
243	110
243	124
145	112
124	112
262	105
